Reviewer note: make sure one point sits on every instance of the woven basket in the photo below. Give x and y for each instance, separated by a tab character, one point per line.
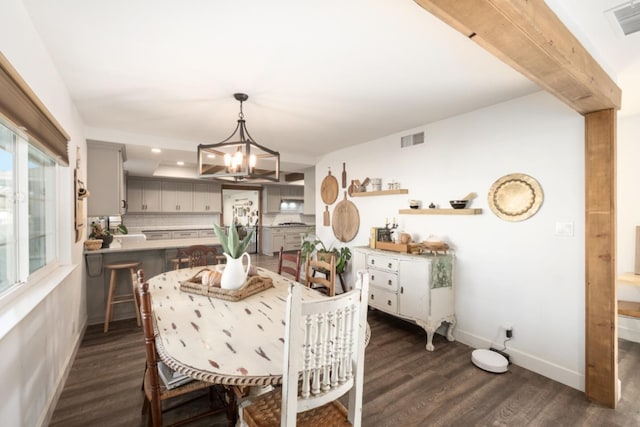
253	285
93	244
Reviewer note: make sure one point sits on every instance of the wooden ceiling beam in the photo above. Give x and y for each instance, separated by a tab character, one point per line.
294	176
528	36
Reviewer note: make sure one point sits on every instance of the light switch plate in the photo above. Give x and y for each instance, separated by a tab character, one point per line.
564	229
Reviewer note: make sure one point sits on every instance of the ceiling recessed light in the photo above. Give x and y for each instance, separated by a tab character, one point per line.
211	156
180	163
156	150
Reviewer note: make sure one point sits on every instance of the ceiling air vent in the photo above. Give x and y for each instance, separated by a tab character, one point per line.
629	18
409	140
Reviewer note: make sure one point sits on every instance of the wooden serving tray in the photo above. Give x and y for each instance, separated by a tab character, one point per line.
397	247
253	285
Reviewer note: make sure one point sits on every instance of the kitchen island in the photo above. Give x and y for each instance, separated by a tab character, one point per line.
154	255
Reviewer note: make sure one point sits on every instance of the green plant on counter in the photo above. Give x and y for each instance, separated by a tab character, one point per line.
312	243
231	243
122	229
98	232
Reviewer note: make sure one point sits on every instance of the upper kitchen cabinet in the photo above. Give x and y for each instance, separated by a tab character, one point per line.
292	192
310	191
105	178
177	196
271	199
207	197
144	195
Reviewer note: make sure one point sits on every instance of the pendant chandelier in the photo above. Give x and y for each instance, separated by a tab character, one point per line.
239	157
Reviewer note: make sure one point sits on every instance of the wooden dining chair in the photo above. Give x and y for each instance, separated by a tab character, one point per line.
326	282
289	263
323	360
197	256
154	389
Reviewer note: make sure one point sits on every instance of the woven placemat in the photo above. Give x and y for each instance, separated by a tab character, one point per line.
253	285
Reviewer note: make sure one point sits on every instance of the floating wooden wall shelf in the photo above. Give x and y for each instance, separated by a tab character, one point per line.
472	211
379	193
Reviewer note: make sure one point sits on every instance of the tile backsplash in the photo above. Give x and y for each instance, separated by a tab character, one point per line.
138	222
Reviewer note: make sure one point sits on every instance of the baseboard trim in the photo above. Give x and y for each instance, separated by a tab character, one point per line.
528	361
45	418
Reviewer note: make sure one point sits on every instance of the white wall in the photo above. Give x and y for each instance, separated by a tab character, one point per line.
41	328
628	216
517	272
628	198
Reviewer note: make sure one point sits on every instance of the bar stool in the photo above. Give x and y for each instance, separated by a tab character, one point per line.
117	299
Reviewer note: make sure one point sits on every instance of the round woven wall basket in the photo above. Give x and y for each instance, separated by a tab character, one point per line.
515	197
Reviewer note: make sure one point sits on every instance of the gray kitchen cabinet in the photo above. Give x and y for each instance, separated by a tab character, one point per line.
402	285
271	198
105	178
272	239
206	233
290	238
291	192
185	234
144	195
177	196
158	235
207	197
310	191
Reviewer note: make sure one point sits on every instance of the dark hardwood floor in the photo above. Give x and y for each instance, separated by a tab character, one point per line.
404	384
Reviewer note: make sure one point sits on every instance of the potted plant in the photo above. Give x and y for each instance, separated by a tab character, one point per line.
98	232
234	249
312	243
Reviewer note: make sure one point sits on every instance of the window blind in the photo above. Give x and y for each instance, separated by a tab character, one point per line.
20	105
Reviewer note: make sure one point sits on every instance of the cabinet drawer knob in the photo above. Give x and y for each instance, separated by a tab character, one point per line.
390	282
372	296
402	289
389	265
388	302
373	261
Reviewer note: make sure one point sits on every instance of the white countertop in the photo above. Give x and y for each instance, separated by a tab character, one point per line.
156	244
306	226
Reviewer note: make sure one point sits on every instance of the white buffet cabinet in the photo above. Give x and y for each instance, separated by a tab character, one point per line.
403	285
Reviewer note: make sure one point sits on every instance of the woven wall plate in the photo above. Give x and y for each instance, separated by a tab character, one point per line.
515	197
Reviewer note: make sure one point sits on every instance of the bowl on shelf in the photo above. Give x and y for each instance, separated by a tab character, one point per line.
458	204
414	204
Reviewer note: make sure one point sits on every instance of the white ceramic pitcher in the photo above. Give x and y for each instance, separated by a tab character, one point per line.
234	274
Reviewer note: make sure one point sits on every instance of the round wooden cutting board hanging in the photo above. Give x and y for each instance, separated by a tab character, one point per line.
329	189
346	220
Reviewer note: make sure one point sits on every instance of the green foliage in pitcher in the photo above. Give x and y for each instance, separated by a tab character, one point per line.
231	243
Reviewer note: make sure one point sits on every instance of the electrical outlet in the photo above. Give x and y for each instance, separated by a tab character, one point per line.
508	329
564	229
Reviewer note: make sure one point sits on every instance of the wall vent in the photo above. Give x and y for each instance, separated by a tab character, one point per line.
628	18
409	140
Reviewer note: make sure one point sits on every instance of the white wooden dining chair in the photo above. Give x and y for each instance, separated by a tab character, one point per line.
323	360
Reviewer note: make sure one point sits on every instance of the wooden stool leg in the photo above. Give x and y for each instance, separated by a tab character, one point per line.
134	279
109	310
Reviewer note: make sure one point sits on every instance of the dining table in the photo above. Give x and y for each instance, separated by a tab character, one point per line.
233	343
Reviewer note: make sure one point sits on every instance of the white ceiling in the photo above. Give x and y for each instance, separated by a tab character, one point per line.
320	75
